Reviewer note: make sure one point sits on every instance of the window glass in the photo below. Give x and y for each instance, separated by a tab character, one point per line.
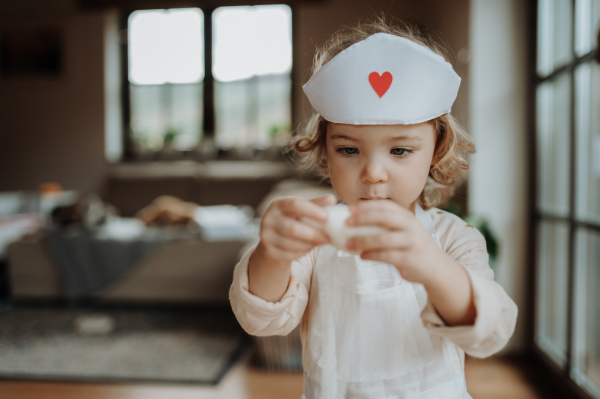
250	41
185	115
252	62
586	345
553	127
587	119
166	69
274	116
166	46
147	116
166	114
551	290
234	121
587	17
554	35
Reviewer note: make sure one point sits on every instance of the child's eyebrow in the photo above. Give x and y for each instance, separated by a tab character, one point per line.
395	138
404	137
341	136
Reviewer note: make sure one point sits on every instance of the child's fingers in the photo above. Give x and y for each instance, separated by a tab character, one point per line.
392	257
297	230
386	214
299	207
325	200
287	244
395	240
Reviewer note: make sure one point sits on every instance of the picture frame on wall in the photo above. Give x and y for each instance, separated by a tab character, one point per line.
31	52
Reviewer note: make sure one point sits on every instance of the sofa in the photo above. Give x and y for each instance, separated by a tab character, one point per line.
186	270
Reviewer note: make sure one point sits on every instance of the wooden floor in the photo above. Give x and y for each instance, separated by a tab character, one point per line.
493	378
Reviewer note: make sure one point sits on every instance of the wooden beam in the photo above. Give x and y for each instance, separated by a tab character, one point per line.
161	4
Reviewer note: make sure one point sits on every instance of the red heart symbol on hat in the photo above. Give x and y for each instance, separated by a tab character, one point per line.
380	83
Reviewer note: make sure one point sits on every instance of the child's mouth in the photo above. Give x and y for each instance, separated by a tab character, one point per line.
373	198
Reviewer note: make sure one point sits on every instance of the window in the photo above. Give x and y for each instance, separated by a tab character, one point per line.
221	77
567	322
252	72
166	70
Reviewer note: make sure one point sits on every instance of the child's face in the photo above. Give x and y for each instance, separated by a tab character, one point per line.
390	162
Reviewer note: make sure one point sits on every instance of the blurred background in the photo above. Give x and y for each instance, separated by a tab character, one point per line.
141	140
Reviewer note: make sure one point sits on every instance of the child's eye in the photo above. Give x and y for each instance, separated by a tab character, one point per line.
400	151
348	150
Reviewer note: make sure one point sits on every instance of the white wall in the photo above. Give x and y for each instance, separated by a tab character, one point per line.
498	123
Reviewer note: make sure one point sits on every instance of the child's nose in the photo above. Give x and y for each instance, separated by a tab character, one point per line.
374	172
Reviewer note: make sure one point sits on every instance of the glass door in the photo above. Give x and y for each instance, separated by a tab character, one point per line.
567	218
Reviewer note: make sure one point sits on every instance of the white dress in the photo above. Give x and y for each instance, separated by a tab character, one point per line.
367	333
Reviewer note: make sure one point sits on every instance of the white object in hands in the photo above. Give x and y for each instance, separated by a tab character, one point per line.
336	227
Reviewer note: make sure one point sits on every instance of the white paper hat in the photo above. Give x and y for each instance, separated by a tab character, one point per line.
383	80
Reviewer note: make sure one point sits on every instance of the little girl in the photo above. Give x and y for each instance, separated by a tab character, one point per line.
396	320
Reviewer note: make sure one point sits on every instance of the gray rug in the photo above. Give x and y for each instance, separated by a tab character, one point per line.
118	345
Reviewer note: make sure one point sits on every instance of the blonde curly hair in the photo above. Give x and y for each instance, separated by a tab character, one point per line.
452	141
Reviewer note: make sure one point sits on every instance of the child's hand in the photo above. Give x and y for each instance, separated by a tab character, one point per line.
408	245
283	236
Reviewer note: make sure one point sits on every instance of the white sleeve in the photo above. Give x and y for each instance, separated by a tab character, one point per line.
260	317
496	311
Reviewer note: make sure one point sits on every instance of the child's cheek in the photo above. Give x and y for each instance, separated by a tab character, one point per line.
342	184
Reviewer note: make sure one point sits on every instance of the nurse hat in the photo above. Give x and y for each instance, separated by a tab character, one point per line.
383	80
